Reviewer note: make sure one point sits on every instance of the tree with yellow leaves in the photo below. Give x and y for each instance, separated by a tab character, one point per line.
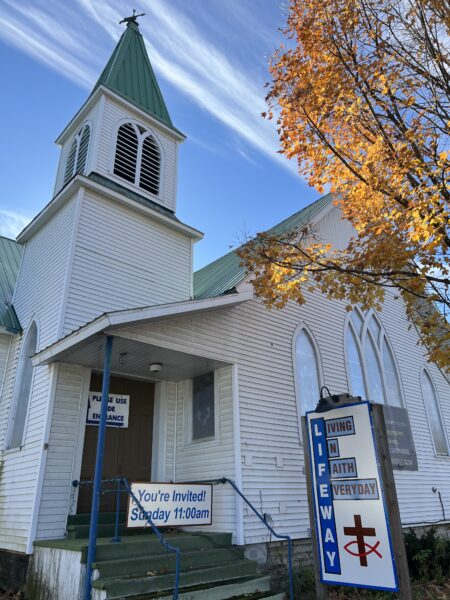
361	96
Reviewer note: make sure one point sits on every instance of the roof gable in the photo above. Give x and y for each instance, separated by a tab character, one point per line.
129	74
222	275
10	258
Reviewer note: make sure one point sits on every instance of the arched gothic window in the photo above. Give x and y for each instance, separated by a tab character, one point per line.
434	415
371	365
307	372
76	159
22	390
138	158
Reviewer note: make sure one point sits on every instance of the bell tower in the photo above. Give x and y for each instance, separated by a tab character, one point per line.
124	131
112	217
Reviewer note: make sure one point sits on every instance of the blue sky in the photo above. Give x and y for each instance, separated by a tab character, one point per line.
211	59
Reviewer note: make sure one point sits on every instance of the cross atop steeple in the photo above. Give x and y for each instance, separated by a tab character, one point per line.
132	19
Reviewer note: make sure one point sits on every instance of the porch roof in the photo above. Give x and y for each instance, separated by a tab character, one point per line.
83	346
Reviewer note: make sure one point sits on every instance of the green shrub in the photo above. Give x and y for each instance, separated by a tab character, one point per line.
304	583
428	555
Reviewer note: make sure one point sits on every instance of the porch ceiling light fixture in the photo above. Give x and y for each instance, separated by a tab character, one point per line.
155	367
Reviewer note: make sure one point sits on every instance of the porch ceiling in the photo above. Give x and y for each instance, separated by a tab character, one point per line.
176	366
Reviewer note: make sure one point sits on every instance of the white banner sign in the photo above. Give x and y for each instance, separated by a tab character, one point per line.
118	409
352	528
170	504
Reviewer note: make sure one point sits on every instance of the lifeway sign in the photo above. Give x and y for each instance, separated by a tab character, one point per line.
353	535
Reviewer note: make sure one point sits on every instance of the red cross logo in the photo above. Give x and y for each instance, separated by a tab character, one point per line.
360	533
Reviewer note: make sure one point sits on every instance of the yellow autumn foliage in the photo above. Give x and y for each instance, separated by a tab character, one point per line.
360	94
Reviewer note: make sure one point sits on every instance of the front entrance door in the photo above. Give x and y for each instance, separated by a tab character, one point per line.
128	452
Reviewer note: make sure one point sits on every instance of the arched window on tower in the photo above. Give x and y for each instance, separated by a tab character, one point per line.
77	157
307	371
138	157
371	367
22	390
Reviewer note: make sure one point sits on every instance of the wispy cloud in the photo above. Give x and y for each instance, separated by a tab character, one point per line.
12	223
180	50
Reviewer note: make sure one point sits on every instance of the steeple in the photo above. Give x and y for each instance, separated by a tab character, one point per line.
129	73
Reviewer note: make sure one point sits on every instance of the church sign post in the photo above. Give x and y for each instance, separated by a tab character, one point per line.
353	509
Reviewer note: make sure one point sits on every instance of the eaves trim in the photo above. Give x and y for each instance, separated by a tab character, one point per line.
135	316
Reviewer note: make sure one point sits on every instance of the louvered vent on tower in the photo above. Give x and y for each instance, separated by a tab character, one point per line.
70	164
83	149
138	158
76	159
126	152
150	165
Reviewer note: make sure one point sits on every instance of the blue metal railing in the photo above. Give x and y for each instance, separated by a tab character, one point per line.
120	481
122	485
263	520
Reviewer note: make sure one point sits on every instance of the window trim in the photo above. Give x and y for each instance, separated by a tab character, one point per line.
369	336
134	186
361	341
14	396
359	347
385	337
188	413
423	373
77	138
302	326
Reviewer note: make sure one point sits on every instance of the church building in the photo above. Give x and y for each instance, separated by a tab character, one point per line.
214	383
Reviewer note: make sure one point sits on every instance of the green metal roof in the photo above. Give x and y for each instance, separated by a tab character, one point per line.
129	74
222	275
10	257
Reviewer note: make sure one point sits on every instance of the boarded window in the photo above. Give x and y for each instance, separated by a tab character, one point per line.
203	417
22	389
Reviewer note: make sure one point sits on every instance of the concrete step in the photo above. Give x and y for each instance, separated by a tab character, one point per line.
144	546
123	587
164	563
81	531
245	587
103	517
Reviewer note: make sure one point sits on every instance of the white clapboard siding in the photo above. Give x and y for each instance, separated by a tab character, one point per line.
259	341
7	387
210	459
39	296
19	466
57	490
123	259
114	113
92	118
42	276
